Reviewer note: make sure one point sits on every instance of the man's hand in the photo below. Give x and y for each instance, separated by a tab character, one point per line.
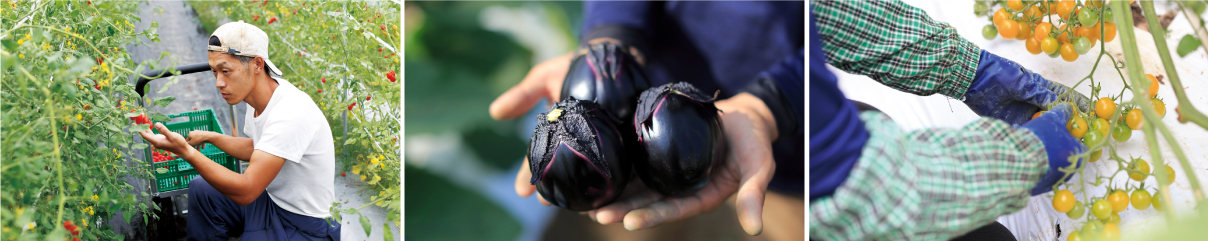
747	171
167	140
198	139
542	81
1005	90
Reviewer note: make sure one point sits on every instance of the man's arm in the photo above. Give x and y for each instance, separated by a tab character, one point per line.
241	188
896	44
238	147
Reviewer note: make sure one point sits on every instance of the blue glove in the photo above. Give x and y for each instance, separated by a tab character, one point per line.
1004	90
1058	144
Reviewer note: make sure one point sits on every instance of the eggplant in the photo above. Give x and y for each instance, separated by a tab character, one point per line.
576	156
607	74
680	139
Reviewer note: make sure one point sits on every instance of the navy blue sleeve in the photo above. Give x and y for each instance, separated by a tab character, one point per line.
837	135
782	90
635	15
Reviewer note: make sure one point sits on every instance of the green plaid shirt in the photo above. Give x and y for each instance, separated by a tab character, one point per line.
931	184
896	44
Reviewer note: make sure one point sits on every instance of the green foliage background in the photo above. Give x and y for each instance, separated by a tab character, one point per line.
67	141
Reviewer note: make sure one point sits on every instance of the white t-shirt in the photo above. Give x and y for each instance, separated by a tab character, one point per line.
292	127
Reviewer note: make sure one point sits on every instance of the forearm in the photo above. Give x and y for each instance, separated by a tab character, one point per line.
896	44
931	184
238	147
235	186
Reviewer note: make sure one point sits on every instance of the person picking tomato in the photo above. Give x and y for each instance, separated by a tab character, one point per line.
288	188
869	179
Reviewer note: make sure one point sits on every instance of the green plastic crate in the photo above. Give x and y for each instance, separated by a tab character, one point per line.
179	172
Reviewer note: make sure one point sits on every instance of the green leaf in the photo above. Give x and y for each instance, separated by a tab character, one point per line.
112	127
386	231
132	114
350	141
365	224
9	44
1196	6
1187	45
126	215
139	146
160	117
164	101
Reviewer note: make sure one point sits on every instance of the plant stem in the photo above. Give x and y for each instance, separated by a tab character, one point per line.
55	140
1172	74
1194	20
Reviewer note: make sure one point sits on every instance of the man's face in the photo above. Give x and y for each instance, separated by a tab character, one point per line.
234	80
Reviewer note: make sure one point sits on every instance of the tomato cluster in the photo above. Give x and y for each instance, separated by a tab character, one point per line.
141	119
162	156
1080	25
75	230
1111	120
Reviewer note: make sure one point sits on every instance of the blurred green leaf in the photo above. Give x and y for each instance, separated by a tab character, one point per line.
386	231
164	101
496	147
1187	45
439	210
366	224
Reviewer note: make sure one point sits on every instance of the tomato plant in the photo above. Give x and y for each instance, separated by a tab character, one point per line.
340	40
67	141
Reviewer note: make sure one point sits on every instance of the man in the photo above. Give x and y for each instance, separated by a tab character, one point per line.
288	187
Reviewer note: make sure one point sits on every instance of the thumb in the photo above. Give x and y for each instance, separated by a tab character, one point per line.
751	196
1064	111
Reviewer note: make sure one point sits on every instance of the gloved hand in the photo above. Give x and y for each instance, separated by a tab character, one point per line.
1058	144
1005	90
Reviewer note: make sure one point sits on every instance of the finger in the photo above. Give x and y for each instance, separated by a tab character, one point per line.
1063	111
674	209
1081	101
162	129
751	195
616	211
535	86
542	200
149	136
523	186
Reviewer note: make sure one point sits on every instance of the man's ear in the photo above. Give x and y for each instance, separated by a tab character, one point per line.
257	65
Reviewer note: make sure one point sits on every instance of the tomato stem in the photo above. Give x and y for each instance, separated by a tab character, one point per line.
1147	110
54	137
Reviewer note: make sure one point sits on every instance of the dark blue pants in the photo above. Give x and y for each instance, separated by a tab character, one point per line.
213	216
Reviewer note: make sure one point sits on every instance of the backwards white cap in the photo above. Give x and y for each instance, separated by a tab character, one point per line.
242	39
